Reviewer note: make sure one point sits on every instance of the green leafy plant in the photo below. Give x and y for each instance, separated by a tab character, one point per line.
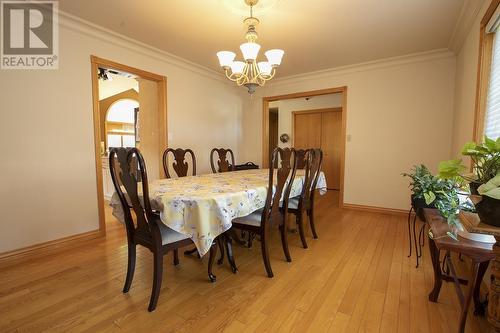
484	179
440	192
491	188
421	183
485	158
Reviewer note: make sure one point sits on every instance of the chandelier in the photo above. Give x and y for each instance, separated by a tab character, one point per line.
250	73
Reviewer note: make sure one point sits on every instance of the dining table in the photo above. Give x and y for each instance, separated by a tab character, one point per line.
202	207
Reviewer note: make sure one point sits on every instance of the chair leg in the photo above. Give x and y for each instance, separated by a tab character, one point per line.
176	257
220	243
284	242
265	253
157	277
310	214
130	267
300	224
211	259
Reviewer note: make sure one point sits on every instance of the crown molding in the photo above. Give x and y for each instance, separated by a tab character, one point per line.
85	27
366	66
470	10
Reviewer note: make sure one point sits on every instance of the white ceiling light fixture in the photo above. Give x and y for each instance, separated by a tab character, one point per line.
250	73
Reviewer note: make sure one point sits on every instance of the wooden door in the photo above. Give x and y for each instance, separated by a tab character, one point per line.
322	129
331	127
307	130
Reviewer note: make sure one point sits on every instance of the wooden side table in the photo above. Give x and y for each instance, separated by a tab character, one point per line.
479	253
472	223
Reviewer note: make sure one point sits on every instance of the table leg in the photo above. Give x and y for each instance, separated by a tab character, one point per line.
191	252
478	306
470	292
494	301
229	251
433	296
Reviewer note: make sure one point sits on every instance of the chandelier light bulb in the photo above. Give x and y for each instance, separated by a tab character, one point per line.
265	68
237	67
274	56
226	58
250	50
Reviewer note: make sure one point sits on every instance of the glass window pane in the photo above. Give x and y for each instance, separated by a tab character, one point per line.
114	140
122	111
128	141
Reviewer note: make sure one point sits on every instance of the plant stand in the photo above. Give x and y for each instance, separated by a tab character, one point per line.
472	223
421	239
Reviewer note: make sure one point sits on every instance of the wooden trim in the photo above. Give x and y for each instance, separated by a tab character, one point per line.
374	209
265	125
306	94
162	122
161	80
50	245
339	109
121	67
97	144
483	72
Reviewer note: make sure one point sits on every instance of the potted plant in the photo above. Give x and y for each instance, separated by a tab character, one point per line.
484	181
421	188
429	191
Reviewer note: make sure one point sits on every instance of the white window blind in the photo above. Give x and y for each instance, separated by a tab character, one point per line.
492	116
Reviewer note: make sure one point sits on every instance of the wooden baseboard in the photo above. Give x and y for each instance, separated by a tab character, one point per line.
50	245
374	209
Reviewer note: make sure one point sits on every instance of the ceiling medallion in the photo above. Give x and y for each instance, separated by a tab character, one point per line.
250	73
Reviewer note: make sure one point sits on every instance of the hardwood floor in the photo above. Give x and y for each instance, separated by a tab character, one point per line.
355	278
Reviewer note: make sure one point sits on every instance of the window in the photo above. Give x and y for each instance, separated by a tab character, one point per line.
492	113
487	115
120	124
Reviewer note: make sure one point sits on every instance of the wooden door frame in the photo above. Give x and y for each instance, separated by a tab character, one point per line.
161	80
265	125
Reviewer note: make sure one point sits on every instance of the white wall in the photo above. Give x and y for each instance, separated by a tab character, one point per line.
399	113
466	80
48	173
287	106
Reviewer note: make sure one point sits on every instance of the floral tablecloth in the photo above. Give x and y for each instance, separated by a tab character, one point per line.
202	207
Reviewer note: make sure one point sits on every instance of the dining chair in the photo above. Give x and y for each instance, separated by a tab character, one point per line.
300	154
181	168
304	203
223	164
179	164
128	172
259	221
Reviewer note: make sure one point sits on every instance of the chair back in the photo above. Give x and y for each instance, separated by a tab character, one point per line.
314	160
223	164
128	172
300	154
285	175
179	164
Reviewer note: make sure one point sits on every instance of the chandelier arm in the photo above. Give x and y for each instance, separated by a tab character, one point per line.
230	77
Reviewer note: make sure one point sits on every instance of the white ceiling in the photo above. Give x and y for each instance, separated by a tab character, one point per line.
315	34
116	85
